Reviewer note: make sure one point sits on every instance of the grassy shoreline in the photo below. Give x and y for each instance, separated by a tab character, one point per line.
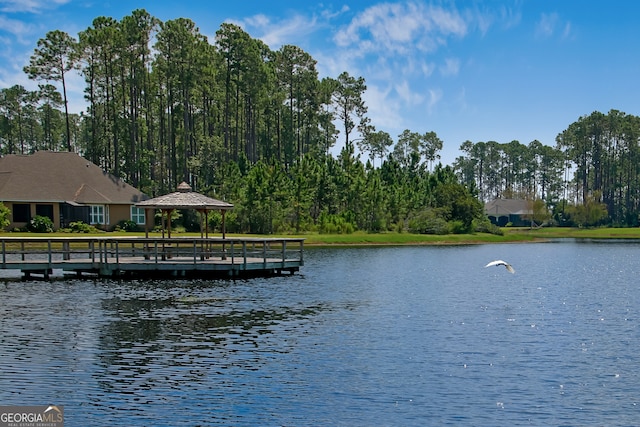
511	235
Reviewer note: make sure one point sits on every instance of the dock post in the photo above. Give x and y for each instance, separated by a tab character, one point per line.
264	254
66	255
284	252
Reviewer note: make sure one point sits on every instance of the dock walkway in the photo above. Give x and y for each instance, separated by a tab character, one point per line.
152	257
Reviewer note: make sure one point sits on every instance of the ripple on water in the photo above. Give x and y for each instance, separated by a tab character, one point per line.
367	336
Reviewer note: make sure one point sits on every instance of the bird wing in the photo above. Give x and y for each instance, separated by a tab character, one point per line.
496	262
501	262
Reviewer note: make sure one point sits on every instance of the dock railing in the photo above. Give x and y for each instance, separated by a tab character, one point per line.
41	254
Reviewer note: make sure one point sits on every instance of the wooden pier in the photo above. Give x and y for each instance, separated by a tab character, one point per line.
135	257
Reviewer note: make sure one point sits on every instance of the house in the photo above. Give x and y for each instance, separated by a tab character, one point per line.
66	188
509	211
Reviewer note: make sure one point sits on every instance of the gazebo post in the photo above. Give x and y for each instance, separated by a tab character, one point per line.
224	235
162	222
146	223
206	223
169	212
202	243
224	231
206	231
185	198
146	232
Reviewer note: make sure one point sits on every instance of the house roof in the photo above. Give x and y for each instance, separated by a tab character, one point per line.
499	207
184	198
47	176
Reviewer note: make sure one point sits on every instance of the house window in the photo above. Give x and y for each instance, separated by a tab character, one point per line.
45	210
137	215
21	212
98	214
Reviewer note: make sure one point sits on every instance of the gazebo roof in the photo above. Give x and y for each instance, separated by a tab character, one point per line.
184	198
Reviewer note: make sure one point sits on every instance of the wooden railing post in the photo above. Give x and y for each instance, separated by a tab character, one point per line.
103	255
284	252
301	251
50	255
264	253
244	255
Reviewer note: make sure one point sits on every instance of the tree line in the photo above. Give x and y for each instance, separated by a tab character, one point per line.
591	177
255	127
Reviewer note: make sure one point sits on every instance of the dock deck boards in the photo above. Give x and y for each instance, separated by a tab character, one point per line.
148	257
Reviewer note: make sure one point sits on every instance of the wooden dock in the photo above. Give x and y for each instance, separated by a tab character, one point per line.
135	257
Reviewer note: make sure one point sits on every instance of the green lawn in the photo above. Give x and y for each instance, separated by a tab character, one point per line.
365	239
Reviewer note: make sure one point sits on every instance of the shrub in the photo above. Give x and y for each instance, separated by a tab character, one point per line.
428	221
4	216
80	227
40	224
127	225
334	224
457	227
486	226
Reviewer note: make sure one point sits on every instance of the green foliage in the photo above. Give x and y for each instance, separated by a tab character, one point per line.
540	214
429	221
190	220
5	214
128	226
590	214
334	224
40	224
458	227
483	225
160	218
80	227
230	221
255	127
458	203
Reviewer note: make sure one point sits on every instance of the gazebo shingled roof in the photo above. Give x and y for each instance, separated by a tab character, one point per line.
185	198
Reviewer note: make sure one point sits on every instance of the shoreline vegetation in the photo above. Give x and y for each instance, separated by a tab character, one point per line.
510	235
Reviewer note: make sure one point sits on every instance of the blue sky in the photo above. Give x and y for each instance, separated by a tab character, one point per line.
467	70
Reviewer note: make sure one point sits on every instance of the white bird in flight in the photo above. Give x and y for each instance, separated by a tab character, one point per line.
501	262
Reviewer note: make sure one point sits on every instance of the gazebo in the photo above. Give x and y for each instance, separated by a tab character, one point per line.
185	198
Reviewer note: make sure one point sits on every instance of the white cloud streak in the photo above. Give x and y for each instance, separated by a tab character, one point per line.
400	28
30	6
451	67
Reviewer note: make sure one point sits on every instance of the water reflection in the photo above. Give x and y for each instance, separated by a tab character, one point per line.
376	336
202	333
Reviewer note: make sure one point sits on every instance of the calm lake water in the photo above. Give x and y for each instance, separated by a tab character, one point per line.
391	336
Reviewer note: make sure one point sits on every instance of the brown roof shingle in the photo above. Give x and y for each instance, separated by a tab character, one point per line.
61	176
184	198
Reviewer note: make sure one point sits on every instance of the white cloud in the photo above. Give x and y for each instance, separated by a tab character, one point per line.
328	14
31	6
509	17
551	24
277	33
384	110
16	28
461	99
399	28
435	96
408	95
427	68
451	67
546	25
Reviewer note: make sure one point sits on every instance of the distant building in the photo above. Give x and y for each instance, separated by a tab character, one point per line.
509	211
65	187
